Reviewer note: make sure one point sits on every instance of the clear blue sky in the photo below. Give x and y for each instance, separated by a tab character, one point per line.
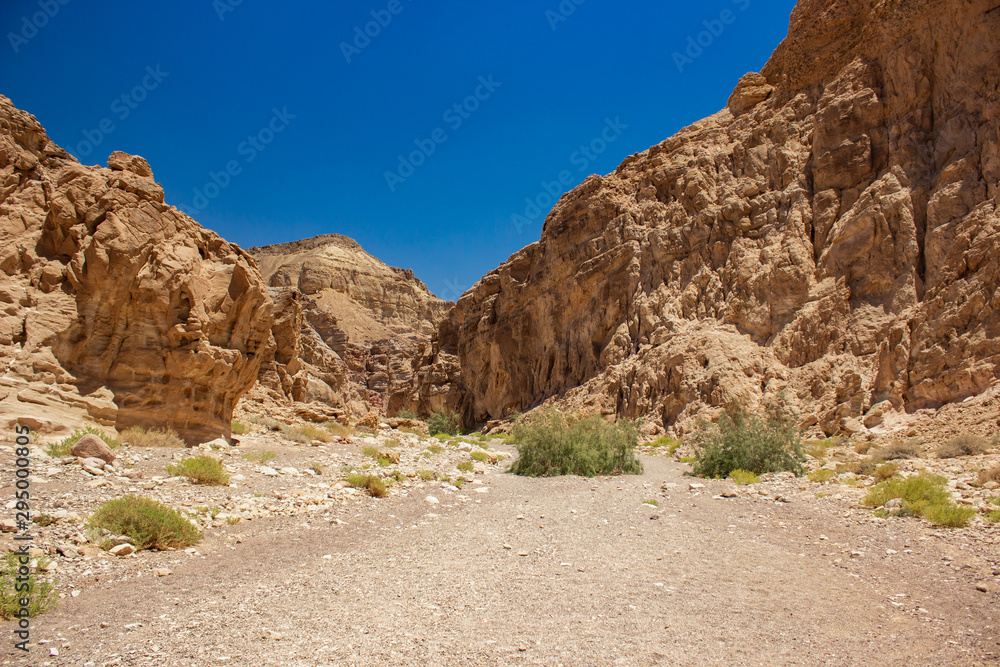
196	86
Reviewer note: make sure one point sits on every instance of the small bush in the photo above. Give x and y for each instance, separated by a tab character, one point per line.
989	475
370	483
652	503
41	592
555	443
137	436
743	477
465	466
406	414
339	430
885	471
822	475
306	433
426	475
963	445
923	495
910	449
370	451
480	456
266	422
435	449
316	467
201	469
64	446
147	523
993	517
238	428
259	456
745	441
670	444
444	421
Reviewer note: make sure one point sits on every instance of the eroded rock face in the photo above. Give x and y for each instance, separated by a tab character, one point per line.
116	305
828	241
348	326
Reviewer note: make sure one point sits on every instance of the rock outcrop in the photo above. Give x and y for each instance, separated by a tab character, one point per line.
116	306
347	326
827	241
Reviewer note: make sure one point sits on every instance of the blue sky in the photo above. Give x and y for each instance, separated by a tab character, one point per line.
420	129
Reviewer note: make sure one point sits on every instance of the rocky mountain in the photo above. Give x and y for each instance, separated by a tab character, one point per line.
347	325
116	307
826	241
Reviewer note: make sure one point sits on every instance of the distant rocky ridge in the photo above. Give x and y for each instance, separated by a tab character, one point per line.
828	242
347	328
117	307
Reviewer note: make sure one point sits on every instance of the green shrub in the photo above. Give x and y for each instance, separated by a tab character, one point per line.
306	433
406	414
480	456
64	446
465	466
426	475
201	469
370	483
993	517
670	444
41	591
745	441
147	523
259	456
885	471
238	428
822	475
435	449
444	421
909	449
963	445
924	495
555	443
137	436
743	477
337	429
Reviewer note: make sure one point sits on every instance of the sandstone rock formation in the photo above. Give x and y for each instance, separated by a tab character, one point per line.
116	306
347	326
827	241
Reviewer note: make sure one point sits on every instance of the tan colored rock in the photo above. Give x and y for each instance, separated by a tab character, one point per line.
114	306
347	325
828	242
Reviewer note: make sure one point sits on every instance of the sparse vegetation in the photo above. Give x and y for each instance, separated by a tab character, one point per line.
652	503
908	449
556	443
817	448
480	456
266	422
743	477
922	495
989	475
435	448
465	466
43	519
147	523
201	469
306	433
338	430
41	591
370	483
742	440
669	444
137	436
406	414
885	471
426	475
259	456
822	475
444	421
238	428
963	445
316	467
64	446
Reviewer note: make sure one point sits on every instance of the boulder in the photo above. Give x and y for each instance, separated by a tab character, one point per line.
92	447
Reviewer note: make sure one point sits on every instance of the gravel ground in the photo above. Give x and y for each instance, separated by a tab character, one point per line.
564	571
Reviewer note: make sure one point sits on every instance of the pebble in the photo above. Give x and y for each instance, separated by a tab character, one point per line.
267	470
162	572
431	499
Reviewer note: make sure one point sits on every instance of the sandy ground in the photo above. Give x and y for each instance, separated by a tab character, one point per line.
563	571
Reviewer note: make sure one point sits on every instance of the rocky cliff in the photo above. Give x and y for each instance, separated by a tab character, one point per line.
116	306
828	241
348	326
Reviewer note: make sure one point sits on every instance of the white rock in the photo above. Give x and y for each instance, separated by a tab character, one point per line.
218	443
269	471
465	447
696	485
122	550
431	499
482	489
162	572
294	472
